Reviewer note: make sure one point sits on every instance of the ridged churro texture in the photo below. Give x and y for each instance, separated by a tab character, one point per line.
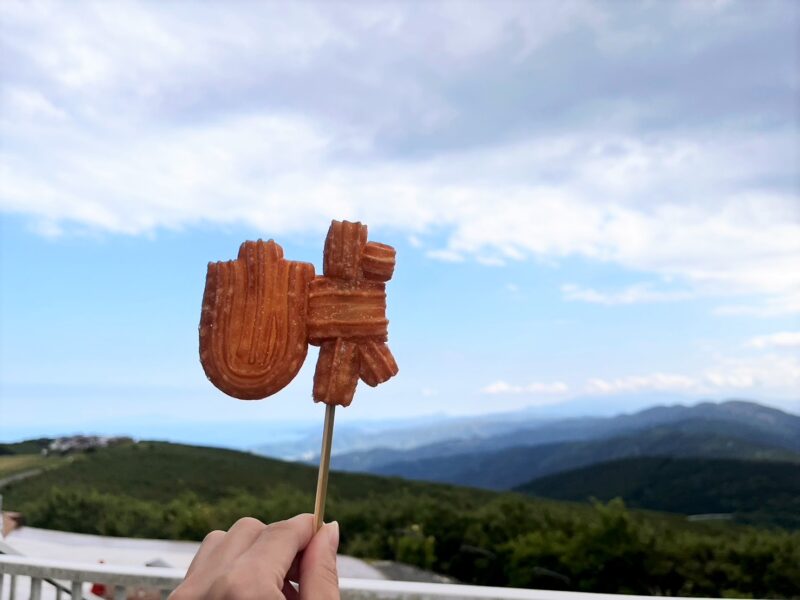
253	321
347	314
261	311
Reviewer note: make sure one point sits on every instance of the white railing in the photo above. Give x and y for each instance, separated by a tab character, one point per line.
22	578
39	578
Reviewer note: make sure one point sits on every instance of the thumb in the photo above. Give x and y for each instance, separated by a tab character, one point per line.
319	579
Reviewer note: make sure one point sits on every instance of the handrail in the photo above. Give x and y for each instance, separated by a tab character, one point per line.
167	579
5	549
155	577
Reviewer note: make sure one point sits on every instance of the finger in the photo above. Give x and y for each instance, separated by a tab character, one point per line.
239	538
319	579
276	547
226	550
210	543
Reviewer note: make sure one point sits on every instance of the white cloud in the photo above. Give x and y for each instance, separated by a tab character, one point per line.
764	374
661	382
502	387
445	255
773	375
280	174
782	339
173	118
30	103
414	241
632	294
786	304
490	261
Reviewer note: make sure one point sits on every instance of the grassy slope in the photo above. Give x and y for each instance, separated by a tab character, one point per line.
159	471
12	464
755	491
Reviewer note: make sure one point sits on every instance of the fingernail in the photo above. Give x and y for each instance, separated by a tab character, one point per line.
332	530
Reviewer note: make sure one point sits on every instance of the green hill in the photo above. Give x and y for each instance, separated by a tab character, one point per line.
172	491
751	491
19	463
161	471
27	447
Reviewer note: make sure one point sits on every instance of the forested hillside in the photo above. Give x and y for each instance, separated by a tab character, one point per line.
750	491
182	492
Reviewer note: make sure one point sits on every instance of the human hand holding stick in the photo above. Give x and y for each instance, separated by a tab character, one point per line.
257	560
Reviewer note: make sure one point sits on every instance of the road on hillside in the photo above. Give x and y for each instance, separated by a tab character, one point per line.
18	477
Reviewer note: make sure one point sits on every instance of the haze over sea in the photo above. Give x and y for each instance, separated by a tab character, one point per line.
596	208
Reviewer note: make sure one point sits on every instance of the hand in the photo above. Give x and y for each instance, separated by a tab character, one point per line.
257	561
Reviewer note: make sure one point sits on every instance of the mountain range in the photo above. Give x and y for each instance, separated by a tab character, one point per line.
738	458
516	455
300	441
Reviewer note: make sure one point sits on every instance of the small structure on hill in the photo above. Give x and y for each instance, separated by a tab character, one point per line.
83	443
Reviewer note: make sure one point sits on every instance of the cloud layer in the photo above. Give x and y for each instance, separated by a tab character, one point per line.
742	376
781	339
663	141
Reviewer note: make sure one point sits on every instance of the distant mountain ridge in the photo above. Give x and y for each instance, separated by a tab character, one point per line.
507	468
754	428
400	436
735	457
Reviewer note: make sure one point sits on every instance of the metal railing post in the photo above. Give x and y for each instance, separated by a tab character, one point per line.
36	588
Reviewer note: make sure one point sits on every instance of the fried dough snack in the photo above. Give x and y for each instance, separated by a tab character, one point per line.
253	321
347	314
261	311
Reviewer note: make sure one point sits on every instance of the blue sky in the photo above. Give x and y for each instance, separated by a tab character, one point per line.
595	201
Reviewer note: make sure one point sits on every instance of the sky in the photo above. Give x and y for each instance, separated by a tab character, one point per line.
596	206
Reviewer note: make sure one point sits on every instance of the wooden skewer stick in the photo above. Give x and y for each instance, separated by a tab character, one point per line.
324	466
